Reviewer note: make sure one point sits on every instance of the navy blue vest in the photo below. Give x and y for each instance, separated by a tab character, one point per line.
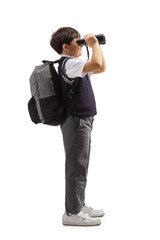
83	102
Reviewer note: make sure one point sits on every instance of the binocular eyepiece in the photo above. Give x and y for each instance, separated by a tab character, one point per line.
100	37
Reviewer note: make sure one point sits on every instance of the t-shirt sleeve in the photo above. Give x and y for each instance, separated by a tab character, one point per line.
73	68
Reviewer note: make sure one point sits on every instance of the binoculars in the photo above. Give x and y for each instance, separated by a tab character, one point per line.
100	37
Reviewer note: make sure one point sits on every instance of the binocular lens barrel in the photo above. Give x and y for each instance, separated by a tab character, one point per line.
100	37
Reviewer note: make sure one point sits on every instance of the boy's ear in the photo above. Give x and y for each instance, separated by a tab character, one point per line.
65	46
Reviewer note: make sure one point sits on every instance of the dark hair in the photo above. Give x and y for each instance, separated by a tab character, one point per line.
61	36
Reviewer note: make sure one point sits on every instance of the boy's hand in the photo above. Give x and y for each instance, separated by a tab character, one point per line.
90	39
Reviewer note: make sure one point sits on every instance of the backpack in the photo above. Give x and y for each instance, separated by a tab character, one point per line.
46	104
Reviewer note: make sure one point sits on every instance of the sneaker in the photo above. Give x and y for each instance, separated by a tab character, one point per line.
92	212
80	219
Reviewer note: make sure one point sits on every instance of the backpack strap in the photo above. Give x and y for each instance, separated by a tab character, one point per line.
47	61
74	85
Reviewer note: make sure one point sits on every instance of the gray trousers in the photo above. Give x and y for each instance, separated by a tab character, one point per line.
77	139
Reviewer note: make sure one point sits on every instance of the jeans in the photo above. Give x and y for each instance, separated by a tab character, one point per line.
77	140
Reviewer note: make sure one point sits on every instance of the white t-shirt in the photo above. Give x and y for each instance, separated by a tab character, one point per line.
74	66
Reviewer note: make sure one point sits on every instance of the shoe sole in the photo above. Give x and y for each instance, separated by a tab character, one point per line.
97	216
75	225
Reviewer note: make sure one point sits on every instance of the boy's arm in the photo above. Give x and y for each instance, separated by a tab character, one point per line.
95	63
103	68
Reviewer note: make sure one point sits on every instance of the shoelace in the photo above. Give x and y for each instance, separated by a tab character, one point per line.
88	208
83	215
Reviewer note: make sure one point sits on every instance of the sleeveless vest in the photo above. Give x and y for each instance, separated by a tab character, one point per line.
82	104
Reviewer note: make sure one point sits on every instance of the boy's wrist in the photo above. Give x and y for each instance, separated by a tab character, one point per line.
95	45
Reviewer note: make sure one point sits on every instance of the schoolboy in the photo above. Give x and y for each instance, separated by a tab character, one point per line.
80	111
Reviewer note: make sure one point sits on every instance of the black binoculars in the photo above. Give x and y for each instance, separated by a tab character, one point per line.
100	37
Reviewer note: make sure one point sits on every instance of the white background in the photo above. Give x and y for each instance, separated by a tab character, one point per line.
124	177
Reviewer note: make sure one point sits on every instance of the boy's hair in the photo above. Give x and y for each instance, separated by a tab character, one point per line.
61	36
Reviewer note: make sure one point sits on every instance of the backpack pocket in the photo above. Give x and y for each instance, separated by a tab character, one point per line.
51	110
32	108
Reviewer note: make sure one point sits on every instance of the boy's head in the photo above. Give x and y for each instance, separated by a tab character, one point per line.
63	41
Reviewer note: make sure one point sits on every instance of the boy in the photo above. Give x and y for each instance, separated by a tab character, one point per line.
80	111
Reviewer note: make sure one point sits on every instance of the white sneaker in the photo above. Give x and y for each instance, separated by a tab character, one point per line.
80	219
92	212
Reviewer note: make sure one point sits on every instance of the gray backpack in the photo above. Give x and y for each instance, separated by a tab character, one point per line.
46	104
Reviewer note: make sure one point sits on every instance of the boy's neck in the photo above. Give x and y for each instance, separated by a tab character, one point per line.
68	54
